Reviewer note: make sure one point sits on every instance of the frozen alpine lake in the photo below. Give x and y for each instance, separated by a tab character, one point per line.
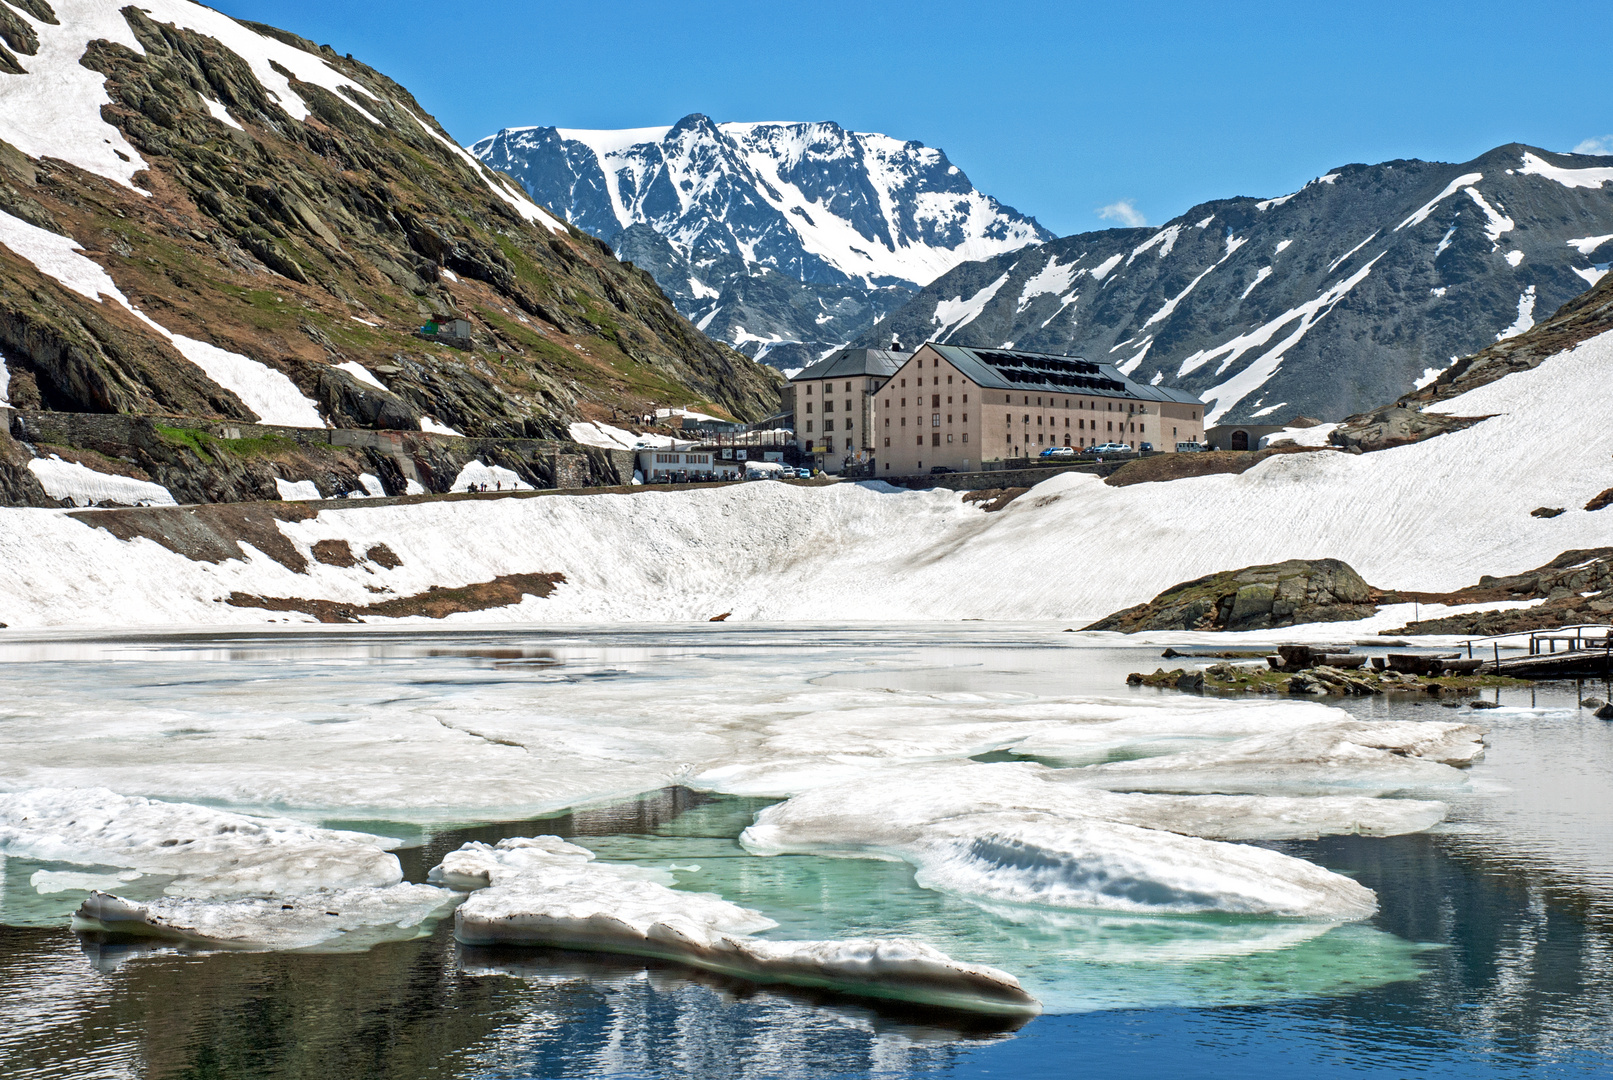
779	851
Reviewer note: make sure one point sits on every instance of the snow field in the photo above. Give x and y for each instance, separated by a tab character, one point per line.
86	487
430	423
1431	516
496	477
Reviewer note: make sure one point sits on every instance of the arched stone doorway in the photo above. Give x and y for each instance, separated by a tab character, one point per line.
1240	440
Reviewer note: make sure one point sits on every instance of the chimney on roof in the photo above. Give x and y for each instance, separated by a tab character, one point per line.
896	343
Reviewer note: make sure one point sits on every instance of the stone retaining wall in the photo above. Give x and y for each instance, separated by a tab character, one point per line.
332	457
998	478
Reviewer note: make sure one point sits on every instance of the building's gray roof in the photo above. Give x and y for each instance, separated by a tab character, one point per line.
851	363
1008	369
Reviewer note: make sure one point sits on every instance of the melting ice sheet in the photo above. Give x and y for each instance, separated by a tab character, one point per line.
1125	864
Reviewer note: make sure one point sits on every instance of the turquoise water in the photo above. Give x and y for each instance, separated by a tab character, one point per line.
1491	954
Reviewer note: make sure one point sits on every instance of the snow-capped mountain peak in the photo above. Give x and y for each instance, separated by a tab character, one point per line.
1351	291
847	215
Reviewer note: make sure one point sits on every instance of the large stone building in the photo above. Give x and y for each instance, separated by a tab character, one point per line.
955	407
833	402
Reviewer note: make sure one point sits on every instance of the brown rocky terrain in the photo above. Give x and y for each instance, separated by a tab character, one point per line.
304	244
1575	587
1159	467
1254	598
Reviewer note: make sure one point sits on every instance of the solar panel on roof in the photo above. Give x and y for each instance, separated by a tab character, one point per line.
1070	372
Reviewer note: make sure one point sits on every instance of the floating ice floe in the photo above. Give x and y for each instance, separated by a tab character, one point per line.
335	919
207	852
543	891
1357	756
1022	833
233	881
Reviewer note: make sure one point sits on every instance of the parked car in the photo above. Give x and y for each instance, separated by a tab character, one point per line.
1145	448
1191	448
939	469
1110	448
1059	452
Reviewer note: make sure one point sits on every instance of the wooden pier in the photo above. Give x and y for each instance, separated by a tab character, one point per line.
1587	651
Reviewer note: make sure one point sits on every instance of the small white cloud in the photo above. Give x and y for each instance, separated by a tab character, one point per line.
1601	145
1123	212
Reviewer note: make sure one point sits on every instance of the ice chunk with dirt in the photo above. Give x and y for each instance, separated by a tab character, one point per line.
208	852
1053	861
326	920
542	894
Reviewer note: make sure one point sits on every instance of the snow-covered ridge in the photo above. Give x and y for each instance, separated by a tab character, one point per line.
726	215
895	211
267	392
1454	250
54	108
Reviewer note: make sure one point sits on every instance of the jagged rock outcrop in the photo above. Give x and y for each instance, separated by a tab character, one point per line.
18	486
1254	598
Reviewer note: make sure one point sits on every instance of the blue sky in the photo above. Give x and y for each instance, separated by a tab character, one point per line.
1056	109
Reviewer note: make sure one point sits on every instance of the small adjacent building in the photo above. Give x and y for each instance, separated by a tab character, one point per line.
687	463
1248	436
958	408
836	420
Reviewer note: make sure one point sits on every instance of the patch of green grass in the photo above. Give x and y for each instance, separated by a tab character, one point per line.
209	447
198	442
525	269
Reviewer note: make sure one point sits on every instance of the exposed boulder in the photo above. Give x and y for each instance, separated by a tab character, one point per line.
1394	425
1254	598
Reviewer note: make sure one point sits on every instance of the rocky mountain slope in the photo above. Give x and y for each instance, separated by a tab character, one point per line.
782	239
1409	419
224	221
1356	289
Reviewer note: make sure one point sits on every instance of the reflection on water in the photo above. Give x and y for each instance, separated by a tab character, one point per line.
1523	983
1491	954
